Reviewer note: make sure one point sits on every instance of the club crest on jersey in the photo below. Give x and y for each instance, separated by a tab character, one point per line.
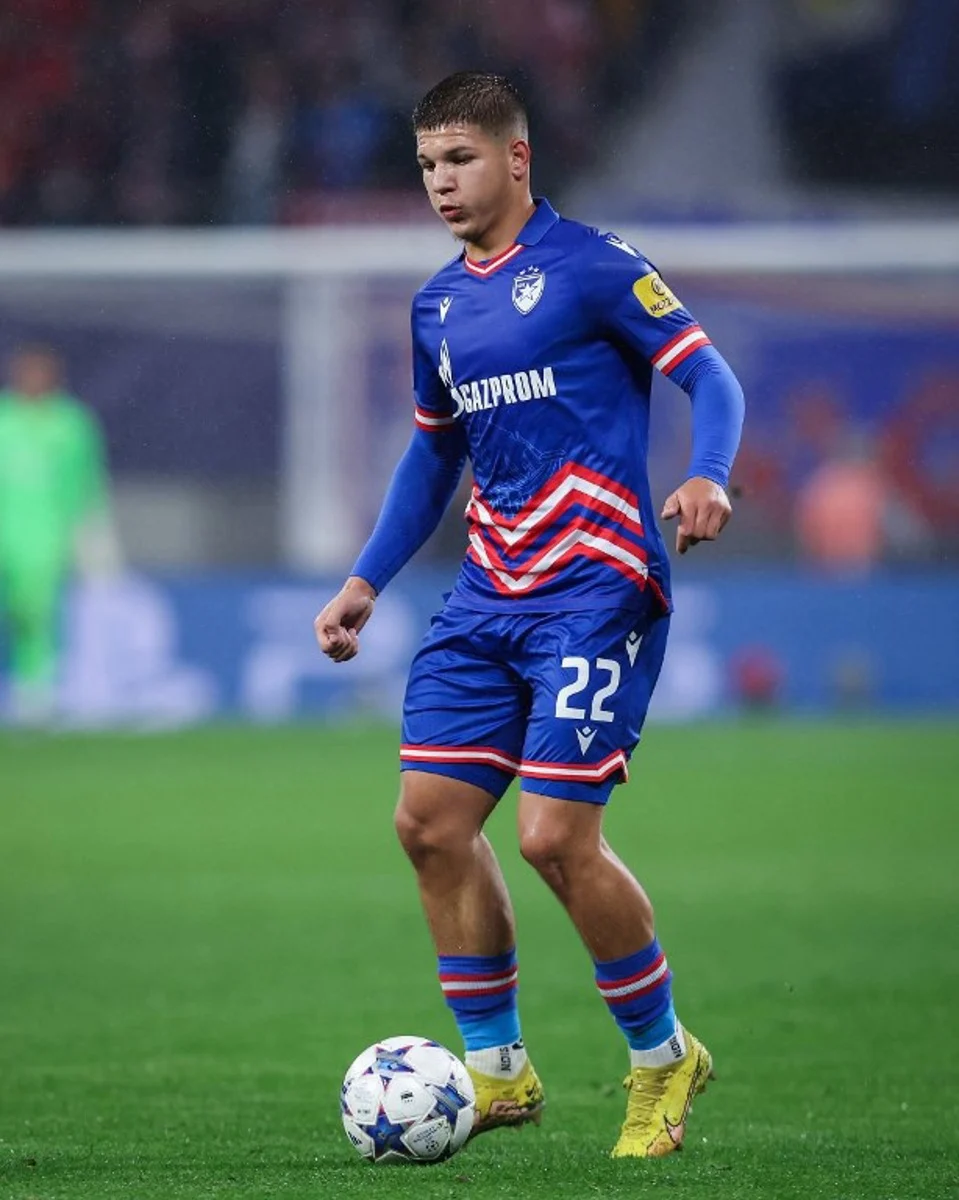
528	289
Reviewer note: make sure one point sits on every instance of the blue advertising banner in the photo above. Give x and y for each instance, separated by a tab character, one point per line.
154	652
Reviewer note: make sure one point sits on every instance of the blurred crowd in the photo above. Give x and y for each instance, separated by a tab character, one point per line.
265	111
196	111
868	92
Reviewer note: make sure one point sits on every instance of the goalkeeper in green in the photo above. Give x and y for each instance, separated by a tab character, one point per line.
53	515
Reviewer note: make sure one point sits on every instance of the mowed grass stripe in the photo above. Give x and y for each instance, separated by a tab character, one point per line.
200	930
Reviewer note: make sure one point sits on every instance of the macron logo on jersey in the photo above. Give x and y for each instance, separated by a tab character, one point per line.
444	308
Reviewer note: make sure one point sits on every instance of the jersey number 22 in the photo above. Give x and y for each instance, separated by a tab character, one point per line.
583	670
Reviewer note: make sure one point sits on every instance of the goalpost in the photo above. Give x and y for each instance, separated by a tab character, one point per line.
222	336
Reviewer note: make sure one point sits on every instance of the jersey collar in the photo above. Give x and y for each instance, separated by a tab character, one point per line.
542	220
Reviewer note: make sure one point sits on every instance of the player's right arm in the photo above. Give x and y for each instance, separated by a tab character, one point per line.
422	486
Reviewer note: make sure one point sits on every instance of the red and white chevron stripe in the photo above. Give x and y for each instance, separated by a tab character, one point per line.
577	543
571	485
600	534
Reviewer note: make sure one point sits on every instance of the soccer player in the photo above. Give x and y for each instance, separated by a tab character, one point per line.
533	354
52	489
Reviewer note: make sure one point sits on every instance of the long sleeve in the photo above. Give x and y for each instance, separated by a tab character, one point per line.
718	410
419	493
628	296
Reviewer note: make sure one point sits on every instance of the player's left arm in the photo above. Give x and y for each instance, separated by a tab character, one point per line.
630	299
702	502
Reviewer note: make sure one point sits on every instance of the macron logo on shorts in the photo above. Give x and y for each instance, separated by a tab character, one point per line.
633	643
585	738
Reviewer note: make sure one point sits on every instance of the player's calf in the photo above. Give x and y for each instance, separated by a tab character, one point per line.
481	991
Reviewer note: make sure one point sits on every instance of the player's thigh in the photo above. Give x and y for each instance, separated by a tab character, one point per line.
557	832
438	813
465	709
593	675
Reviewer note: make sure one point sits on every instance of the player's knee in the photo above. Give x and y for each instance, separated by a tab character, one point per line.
425	834
439	819
413	831
550	849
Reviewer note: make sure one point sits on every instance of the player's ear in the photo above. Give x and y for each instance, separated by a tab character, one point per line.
519	158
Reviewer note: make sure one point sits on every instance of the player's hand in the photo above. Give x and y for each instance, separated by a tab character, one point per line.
338	625
703	509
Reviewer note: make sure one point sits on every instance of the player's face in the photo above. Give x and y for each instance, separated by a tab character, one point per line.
470	176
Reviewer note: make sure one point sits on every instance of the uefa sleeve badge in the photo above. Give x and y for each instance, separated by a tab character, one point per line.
655	296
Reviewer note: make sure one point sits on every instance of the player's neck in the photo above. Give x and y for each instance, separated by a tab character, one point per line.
503	232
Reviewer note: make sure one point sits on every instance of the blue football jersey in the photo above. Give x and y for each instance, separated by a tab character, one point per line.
543	358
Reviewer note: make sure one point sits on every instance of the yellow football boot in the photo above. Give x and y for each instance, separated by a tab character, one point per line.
507	1101
659	1101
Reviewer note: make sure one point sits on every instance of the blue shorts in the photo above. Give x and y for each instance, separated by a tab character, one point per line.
557	698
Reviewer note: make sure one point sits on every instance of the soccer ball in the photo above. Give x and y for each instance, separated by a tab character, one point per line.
407	1099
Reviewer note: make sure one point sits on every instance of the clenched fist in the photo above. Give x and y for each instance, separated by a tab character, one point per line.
338	626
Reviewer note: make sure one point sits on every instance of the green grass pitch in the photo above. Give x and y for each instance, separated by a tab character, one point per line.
199	931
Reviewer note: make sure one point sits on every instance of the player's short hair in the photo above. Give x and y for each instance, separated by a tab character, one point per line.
490	102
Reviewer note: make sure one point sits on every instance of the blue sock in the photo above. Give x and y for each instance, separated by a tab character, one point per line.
481	991
637	990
